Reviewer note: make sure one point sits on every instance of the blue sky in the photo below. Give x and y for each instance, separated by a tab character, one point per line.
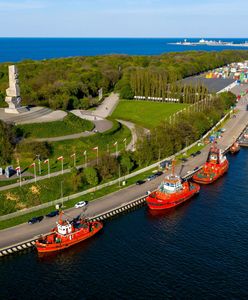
127	18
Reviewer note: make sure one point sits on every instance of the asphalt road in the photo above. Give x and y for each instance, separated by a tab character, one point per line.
23	232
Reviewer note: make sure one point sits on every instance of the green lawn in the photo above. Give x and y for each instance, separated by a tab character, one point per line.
66	148
144	113
69	125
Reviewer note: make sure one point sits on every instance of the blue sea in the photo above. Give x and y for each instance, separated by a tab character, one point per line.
18	49
196	251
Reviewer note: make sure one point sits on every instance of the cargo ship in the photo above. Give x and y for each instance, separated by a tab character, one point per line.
66	234
235	148
172	191
215	166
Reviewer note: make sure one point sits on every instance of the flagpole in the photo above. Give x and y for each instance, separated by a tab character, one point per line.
116	149
85	156
20	175
62	164
48	168
38	156
125	143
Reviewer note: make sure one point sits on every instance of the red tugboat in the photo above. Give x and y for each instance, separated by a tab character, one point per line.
215	166
235	148
67	233
171	192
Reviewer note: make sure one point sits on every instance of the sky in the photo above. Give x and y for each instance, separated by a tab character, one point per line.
123	18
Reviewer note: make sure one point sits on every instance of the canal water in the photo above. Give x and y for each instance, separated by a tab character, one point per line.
196	251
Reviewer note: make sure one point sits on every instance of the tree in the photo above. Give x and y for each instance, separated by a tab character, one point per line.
108	166
126	162
6	142
91	176
77	179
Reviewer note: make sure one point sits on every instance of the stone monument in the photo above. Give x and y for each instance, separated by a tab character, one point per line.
13	93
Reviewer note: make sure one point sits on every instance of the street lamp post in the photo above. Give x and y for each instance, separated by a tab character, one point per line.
38	157
61	192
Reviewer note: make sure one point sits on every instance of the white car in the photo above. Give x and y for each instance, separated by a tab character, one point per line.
80	204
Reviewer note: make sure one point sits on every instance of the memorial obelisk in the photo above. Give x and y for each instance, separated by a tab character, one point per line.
13	97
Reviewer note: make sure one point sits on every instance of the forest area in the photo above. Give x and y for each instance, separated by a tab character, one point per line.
70	83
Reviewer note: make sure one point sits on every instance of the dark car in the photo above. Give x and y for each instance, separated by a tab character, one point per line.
198	152
184	159
139	182
53	213
193	154
151	177
35	220
159	173
165	163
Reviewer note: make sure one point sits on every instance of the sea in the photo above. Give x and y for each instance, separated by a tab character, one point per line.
198	250
18	49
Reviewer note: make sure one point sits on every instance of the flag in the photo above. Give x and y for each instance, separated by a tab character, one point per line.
74	154
85	152
18	169
60	158
96	148
115	143
46	161
33	165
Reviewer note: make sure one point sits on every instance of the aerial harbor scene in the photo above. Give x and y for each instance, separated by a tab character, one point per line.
124	150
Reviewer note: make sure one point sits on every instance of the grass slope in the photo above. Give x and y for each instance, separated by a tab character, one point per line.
69	125
144	113
66	148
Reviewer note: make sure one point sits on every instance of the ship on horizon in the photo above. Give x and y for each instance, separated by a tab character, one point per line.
185	42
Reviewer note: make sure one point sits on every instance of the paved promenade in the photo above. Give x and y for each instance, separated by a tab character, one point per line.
24	231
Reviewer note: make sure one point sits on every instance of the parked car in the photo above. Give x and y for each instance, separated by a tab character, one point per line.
35	220
196	168
184	159
53	213
198	152
81	204
165	163
139	182
159	173
151	177
193	154
148	192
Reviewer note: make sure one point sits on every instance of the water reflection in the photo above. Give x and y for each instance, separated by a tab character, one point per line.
67	256
170	217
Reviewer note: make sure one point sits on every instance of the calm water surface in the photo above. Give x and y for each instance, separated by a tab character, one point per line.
196	251
17	49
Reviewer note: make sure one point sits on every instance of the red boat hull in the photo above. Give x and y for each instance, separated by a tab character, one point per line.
68	241
211	173
156	202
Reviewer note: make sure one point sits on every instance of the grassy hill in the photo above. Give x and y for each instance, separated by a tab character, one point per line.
69	125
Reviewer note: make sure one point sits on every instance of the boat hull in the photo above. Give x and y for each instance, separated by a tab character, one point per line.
211	177
53	247
156	203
